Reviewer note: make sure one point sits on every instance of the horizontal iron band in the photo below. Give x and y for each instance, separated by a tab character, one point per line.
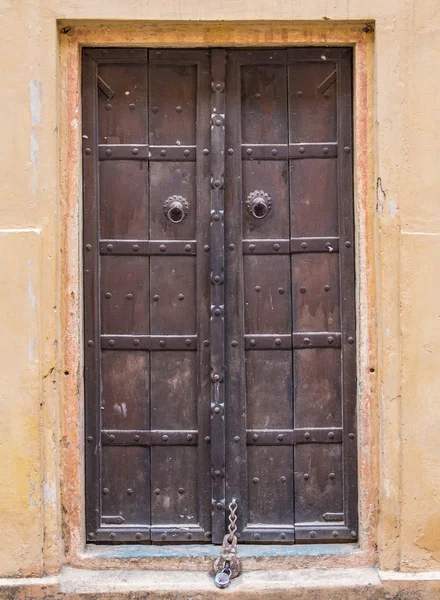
148	247
268	534
291	437
292	55
322	339
116	533
149	342
292	246
285	151
146	152
336	533
158	437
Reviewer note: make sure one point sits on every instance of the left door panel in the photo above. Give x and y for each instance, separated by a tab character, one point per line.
146	175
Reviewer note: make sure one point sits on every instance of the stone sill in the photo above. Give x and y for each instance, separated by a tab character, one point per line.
304	584
252	551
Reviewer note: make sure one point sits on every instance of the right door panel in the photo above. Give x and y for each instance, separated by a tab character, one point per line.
290	326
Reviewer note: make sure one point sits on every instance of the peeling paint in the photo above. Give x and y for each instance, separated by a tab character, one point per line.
380	197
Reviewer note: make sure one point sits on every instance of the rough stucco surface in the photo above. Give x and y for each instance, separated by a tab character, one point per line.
406	251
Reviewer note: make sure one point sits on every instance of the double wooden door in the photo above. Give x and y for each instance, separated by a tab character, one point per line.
219	295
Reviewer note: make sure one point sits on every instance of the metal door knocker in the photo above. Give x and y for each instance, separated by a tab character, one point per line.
176	209
259	203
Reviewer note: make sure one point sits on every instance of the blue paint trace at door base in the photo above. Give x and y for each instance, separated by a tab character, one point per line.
200	551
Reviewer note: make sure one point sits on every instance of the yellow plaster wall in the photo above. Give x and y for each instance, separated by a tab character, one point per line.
406	249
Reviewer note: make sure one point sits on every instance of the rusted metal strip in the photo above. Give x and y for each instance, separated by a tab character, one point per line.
147	248
268	534
328	81
106	89
309	534
179	534
217	295
290	437
328	150
264	151
162	437
294	245
328	516
112	520
145	152
285	341
149	342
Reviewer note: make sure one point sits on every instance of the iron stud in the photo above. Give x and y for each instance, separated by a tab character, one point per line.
299	93
234	344
326	288
135	248
230	151
278	343
249	151
162	248
154	109
330	339
217	278
236	439
301	150
253	343
111	438
302	289
303	245
206	342
135	151
353	534
219	506
251	247
163	536
88	247
351	436
156	298
283	536
131	106
105	491
188	342
206	248
216	377
255	437
313	534
181	297
256	536
108	295
90	343
112	536
334	534
274	152
189	437
189	536
231	247
217	473
217	410
307	435
216	217
325	150
129	491
157	491
350	340
283	479
217	312
257	288
91	535
178	109
186	152
281	290
136	342
129	296
348	244
256	480
307	341
165	438
138	536
181	491
331	435
109	247
331	475
207	439
88	150
108	152
276	247
347	150
111	343
136	438
280	437
306	476
90	438
163	152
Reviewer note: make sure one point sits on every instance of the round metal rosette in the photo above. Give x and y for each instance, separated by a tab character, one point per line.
259	203
176	209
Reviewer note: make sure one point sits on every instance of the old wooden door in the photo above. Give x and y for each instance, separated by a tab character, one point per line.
219	295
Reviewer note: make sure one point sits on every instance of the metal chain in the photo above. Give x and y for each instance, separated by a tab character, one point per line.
232	528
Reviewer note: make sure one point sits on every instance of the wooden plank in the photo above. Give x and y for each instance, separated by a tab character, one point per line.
123	119
91	297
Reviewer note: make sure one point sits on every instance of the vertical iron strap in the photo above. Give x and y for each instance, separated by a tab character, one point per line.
217	295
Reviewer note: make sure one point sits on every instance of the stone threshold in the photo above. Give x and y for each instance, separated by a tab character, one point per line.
304	584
